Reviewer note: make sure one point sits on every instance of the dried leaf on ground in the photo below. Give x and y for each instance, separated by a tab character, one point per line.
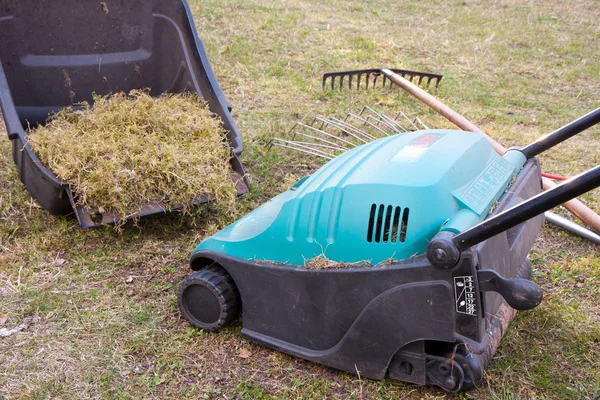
244	353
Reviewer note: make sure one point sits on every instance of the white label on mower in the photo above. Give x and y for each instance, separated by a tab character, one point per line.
465	295
415	149
409	154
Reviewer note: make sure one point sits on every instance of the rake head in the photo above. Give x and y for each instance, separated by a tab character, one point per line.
369	78
326	138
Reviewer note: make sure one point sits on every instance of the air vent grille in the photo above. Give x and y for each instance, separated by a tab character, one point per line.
387	224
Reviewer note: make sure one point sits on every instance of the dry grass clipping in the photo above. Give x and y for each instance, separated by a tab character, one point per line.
321	262
133	149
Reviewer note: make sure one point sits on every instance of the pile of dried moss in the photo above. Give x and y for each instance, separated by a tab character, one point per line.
133	149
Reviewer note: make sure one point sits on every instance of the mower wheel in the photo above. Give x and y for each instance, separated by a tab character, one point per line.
469	366
209	299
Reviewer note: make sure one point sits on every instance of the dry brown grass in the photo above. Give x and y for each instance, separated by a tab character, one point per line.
321	262
518	69
132	149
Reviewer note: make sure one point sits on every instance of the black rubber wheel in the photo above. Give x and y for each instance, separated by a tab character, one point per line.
209	299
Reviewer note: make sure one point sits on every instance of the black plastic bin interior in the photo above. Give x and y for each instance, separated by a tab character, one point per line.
57	53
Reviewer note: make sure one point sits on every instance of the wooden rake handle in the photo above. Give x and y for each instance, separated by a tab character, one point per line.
575	206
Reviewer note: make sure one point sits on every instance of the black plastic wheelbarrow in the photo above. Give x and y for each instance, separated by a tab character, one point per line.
55	54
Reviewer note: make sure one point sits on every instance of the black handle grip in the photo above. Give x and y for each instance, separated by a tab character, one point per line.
520	294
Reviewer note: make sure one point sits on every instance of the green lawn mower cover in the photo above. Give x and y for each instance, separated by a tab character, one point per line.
381	201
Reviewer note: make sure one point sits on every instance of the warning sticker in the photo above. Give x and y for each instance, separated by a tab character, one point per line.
465	295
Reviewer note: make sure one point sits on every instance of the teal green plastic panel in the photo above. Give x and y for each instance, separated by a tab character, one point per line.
382	200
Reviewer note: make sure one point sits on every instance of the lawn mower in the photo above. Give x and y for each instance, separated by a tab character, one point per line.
431	230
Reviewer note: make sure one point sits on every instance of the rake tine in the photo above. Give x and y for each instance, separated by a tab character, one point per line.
367	122
379	118
350	115
418	121
305	145
321	120
385	120
395	123
344	127
290	131
330	122
363	110
392	123
389	121
336	146
315	119
327	134
322	124
302	150
379	122
301	121
310	144
305	116
406	118
368	117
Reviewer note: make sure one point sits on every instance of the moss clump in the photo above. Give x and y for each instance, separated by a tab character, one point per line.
133	149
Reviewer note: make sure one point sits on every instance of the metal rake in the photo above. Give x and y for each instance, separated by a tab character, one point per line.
370	77
329	137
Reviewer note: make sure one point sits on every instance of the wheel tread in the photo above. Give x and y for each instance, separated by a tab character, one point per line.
220	283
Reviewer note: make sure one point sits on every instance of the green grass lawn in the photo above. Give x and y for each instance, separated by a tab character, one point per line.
103	304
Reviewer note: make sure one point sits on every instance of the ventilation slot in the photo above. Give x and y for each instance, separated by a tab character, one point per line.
371	222
385	225
395	225
404	225
379	223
